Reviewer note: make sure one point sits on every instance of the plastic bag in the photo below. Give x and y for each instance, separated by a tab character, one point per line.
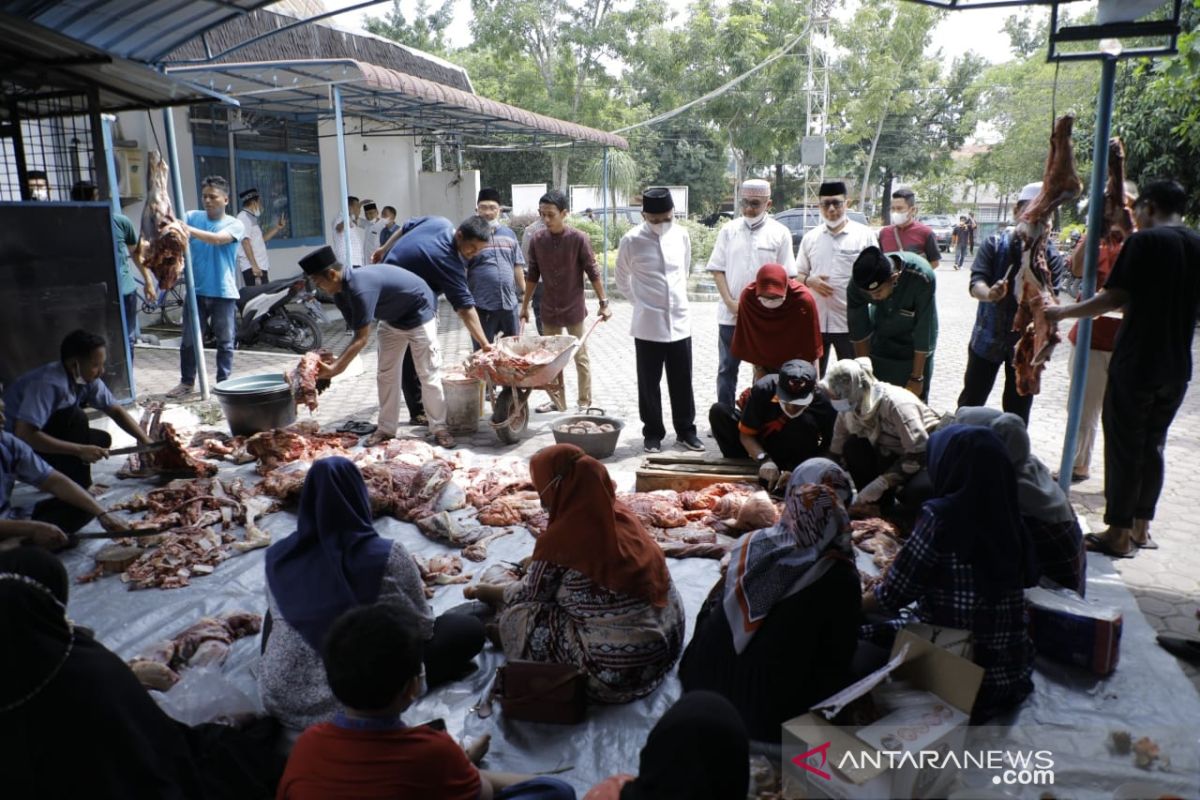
204	695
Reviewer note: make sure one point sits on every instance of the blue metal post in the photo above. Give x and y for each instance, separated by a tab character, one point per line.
1095	229
343	184
193	310
604	210
114	196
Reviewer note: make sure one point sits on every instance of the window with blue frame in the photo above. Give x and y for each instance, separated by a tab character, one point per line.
276	154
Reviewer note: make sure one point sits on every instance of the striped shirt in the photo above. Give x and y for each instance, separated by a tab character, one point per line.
490	275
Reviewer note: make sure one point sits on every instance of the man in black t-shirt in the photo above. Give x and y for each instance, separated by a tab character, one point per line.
1157	281
787	419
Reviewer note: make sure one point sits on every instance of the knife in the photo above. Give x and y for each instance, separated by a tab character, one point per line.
119	534
139	448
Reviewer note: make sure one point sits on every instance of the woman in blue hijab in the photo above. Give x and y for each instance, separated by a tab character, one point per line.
335	561
967	563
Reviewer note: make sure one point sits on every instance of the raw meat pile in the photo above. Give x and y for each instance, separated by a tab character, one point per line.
505	366
1033	287
440	570
586	426
702	524
462	530
303	441
205	643
163	255
879	539
178	556
221	446
303	378
174	458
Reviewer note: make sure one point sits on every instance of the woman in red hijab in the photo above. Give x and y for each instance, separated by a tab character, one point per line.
597	593
777	321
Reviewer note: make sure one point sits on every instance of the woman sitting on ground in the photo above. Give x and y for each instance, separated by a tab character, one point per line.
880	434
798	575
967	563
1045	509
334	562
597	593
697	751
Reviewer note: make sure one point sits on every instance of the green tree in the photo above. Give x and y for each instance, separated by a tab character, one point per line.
426	31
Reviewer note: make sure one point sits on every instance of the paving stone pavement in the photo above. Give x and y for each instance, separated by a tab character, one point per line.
1165	581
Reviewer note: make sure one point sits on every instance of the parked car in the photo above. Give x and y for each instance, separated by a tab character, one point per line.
801	220
943	228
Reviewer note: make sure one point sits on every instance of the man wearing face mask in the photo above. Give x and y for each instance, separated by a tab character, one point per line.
45	408
892	313
743	246
252	259
907	233
652	273
787	420
825	263
496	275
37	184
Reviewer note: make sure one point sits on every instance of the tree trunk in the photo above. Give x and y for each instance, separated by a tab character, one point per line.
559	170
777	191
866	181
886	199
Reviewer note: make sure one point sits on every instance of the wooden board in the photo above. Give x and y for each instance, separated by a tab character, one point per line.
689	473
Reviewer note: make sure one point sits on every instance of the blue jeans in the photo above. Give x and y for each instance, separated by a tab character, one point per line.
727	367
132	304
501	320
537	789
217	316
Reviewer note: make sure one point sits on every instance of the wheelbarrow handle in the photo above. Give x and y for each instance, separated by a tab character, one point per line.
588	332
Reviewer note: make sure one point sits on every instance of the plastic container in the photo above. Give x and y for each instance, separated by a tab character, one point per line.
596	445
256	403
464	402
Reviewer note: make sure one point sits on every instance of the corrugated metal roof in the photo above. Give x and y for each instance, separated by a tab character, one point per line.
387	96
35	61
140	30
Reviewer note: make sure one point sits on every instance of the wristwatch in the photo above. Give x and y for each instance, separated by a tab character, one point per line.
604	302
917	378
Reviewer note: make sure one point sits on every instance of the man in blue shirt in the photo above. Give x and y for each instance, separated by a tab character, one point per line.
214	240
496	277
45	407
406	309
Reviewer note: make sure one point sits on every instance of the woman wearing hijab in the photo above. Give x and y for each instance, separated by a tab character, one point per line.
74	721
967	563
335	561
597	593
880	434
697	751
779	630
1047	513
777	322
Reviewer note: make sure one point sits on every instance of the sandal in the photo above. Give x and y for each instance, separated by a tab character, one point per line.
1146	543
357	426
546	408
1099	544
443	439
378	437
1181	646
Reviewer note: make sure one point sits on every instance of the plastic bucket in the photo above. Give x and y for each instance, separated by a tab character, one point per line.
464	403
256	403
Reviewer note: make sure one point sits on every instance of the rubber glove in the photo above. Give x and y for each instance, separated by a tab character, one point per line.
873	491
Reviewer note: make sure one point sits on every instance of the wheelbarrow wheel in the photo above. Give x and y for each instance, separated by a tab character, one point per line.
511	414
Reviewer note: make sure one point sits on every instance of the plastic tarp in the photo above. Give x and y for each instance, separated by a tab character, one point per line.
1147	695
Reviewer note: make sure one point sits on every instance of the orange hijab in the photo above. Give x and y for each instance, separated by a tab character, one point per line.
590	531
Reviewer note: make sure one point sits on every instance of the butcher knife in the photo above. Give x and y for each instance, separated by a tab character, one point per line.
137	448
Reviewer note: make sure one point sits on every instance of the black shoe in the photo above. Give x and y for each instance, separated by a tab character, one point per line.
652	445
690	442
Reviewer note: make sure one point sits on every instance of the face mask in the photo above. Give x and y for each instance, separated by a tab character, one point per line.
754	222
40	195
899	217
835	224
78	373
494	223
792	411
771	302
659	227
840	405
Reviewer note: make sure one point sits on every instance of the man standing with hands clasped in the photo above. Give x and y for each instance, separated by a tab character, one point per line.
652	271
742	247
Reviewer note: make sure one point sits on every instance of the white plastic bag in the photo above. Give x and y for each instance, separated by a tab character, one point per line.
205	695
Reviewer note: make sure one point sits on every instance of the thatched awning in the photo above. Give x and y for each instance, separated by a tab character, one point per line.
410	104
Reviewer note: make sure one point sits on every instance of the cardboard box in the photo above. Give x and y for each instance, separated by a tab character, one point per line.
1065	627
936	719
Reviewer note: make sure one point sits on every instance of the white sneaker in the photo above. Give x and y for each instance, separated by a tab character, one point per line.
181	391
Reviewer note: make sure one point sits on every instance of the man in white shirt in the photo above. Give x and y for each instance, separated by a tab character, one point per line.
371	224
356	236
825	263
743	246
652	273
252	260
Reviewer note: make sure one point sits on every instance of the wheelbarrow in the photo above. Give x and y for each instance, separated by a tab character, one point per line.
536	363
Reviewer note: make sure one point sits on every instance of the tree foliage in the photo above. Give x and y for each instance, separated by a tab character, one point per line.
426	31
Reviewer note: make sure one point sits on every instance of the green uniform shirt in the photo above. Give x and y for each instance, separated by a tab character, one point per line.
899	326
127	238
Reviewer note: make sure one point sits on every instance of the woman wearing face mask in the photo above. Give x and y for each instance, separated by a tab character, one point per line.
777	322
880	434
597	593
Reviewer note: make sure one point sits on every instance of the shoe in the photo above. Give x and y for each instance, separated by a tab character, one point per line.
690	442
443	439
419	421
652	445
181	391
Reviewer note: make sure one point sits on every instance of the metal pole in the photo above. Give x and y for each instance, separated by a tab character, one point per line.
604	211
110	174
343	184
1095	225
193	310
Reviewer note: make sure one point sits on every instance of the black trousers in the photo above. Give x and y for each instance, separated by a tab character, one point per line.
979	379
69	425
789	448
865	464
839	341
676	359
1136	418
410	386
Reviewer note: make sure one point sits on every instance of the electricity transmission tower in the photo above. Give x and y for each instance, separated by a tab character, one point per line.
812	147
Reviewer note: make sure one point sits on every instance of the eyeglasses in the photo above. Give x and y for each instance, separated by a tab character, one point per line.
832	203
753	203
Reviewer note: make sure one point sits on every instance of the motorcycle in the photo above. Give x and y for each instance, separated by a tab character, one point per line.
263	316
